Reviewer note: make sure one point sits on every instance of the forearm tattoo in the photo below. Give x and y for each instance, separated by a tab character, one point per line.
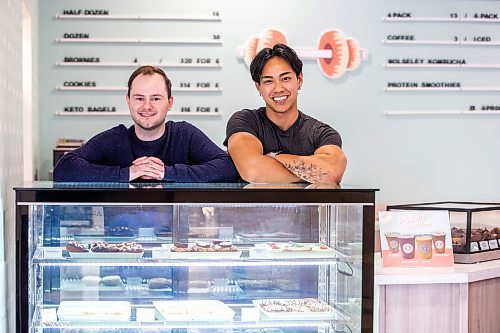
308	172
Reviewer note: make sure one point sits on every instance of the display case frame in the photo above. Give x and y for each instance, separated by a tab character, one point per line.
39	193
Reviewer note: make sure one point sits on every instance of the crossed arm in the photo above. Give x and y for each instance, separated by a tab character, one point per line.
326	165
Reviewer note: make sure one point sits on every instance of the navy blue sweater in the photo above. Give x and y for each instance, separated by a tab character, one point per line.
188	154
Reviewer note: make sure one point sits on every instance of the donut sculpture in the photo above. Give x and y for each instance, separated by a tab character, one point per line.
336	66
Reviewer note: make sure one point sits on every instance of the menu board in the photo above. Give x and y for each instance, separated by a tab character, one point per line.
438	53
196	51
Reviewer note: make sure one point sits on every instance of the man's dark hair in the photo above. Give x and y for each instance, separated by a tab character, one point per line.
150	70
279	50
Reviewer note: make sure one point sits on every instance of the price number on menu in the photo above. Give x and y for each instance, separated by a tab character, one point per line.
216	13
479	39
457	16
185	85
199	61
216	36
483	16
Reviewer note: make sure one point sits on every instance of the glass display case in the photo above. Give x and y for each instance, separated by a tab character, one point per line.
475	228
194	258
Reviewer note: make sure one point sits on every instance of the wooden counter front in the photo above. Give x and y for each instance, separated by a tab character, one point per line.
464	298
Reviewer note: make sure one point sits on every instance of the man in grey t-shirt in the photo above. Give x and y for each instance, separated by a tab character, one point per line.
279	143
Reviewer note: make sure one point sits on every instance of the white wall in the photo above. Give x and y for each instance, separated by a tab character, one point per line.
11	137
411	158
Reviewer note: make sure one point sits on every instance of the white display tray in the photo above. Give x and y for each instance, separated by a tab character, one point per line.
106	255
202	310
202	255
326	315
315	252
94	311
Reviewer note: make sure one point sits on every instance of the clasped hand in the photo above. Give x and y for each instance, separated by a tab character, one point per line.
147	168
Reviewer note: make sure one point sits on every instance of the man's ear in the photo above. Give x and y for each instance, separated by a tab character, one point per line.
127	98
257	86
300	80
170	103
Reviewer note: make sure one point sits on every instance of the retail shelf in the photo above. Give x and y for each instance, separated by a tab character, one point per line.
134	64
139	40
127	113
121	88
140	17
439	19
469	66
439	113
455	89
439	42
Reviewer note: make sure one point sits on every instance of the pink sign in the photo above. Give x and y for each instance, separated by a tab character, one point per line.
415	238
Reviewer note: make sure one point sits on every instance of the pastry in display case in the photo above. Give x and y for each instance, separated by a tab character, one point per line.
108	258
475	228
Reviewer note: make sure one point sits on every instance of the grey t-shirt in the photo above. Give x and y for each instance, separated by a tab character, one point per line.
302	138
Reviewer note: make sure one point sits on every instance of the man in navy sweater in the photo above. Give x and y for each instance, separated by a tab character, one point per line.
150	150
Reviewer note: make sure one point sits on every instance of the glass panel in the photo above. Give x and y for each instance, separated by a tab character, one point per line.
275	268
484	231
347	281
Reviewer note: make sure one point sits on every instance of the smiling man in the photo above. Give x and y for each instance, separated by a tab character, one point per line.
279	143
149	150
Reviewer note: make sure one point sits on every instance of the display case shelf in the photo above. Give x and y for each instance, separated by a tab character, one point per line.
236	323
216	261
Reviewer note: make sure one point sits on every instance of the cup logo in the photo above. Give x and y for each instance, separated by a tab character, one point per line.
407	248
439	244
